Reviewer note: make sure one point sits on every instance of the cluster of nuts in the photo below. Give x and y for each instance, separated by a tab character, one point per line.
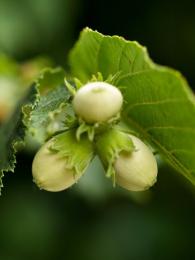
134	167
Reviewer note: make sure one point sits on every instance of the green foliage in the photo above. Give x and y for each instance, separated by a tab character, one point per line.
49	79
161	108
52	106
47	110
95	53
32	113
12	133
159	105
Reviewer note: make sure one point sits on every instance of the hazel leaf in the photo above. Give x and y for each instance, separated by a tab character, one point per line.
158	103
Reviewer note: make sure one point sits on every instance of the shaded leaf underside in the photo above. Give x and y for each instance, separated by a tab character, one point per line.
12	133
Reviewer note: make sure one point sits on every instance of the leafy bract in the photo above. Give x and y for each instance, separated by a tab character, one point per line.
159	104
77	154
50	113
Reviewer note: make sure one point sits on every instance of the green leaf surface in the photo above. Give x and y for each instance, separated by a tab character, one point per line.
158	103
52	109
162	109
49	79
95	53
12	133
49	106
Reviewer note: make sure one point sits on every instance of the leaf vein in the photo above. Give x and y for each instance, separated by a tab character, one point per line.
171	128
156	102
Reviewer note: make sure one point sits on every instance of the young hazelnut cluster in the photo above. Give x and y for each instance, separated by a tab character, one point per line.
131	161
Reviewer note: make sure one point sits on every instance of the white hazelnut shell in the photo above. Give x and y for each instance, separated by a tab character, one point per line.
136	171
50	171
97	102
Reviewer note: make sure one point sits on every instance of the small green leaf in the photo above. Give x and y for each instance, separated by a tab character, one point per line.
51	104
49	79
53	101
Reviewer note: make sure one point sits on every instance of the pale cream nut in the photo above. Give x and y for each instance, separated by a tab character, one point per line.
136	171
97	102
50	170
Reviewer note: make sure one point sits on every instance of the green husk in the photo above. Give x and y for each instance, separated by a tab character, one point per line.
109	145
78	153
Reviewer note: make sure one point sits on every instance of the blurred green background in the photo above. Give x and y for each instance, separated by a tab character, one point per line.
93	221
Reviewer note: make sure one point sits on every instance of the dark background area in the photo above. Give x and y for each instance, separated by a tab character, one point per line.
97	223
